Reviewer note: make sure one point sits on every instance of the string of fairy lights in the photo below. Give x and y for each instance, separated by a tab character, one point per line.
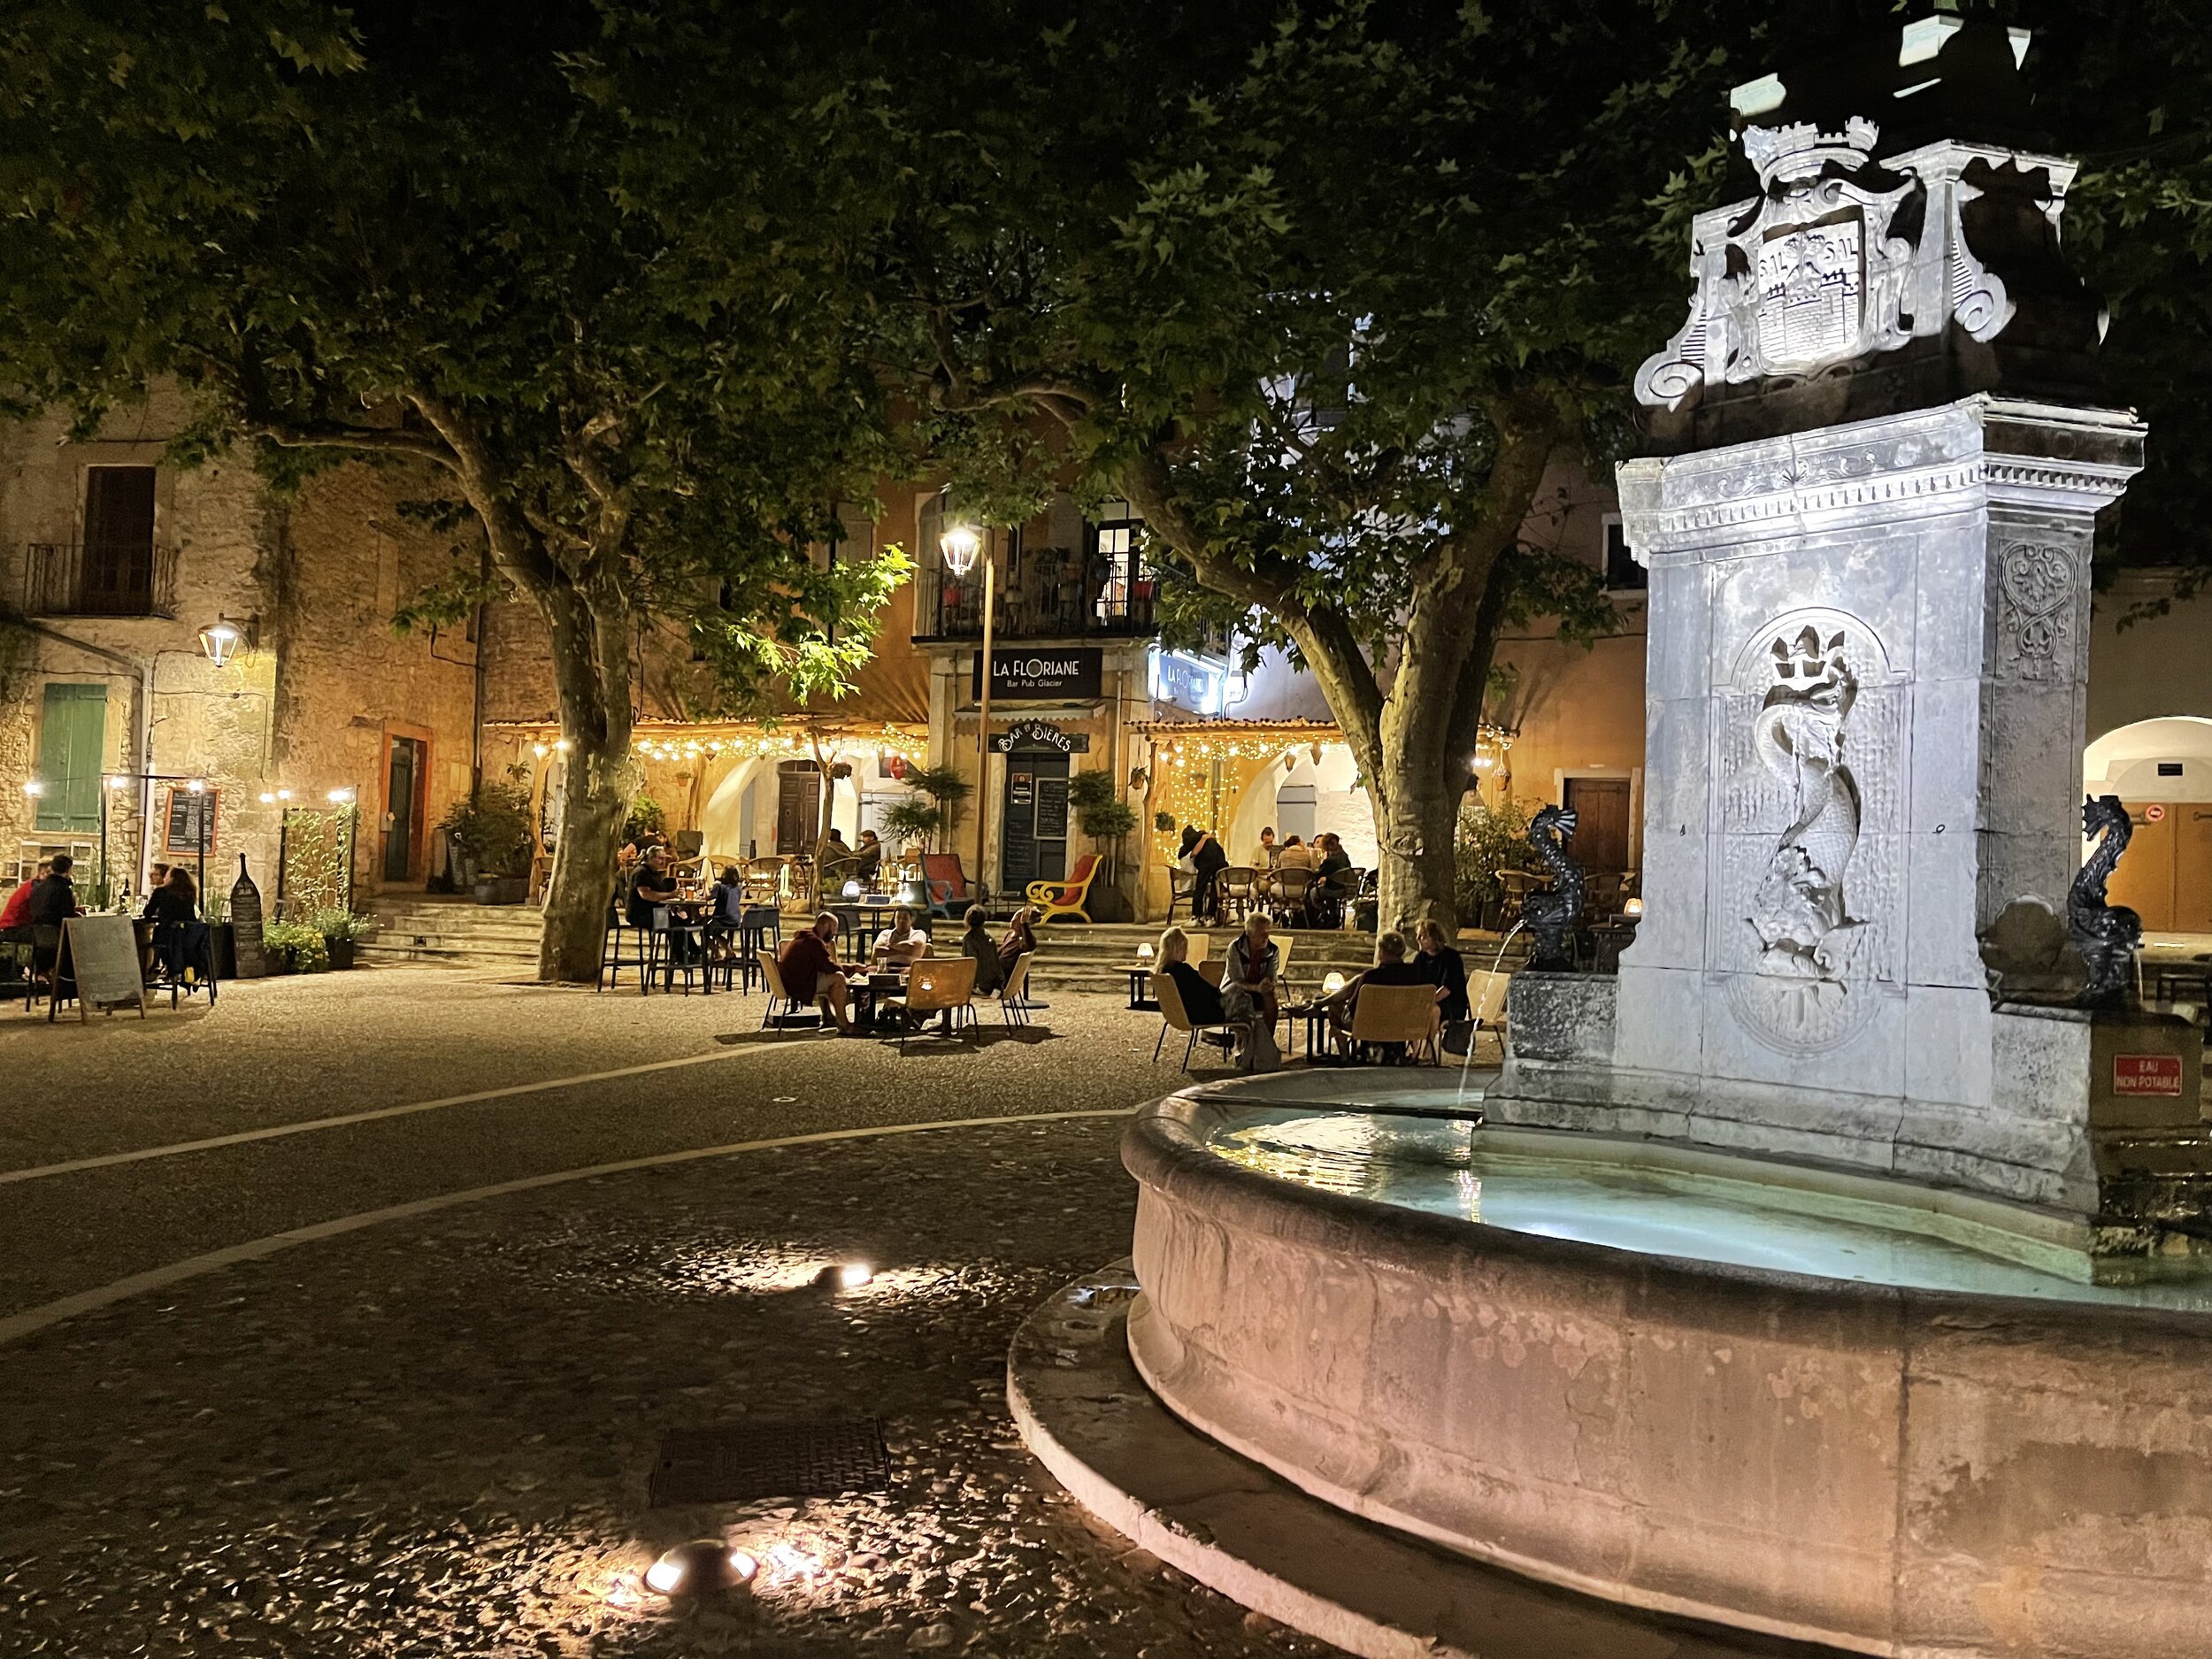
1197	780
694	744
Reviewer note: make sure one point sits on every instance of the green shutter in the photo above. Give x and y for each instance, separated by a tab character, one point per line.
70	743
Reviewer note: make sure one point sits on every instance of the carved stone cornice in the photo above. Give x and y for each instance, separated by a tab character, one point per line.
1963	456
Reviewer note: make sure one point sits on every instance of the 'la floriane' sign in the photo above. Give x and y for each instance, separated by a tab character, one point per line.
1053	674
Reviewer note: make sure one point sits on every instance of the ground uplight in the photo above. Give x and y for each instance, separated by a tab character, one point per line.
699	1568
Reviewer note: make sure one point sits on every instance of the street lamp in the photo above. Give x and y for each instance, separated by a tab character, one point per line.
961	544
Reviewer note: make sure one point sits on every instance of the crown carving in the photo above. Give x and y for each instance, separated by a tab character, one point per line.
1802	149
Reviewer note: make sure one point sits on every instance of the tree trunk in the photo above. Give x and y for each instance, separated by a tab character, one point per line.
1417	829
591	668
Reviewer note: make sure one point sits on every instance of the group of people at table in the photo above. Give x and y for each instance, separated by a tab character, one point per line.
49	897
1323	898
1249	1001
812	975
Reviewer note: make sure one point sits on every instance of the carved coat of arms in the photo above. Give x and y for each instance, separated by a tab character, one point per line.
1817	272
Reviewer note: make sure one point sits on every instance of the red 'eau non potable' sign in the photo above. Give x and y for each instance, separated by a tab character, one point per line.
2146	1074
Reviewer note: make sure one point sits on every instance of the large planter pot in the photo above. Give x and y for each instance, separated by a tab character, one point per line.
340	951
502	889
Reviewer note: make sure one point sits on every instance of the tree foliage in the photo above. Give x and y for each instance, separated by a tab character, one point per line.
432	234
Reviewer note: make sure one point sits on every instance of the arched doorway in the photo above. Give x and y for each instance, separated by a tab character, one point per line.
2161	769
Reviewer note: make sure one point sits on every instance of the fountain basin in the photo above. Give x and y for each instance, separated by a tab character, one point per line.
1968	1450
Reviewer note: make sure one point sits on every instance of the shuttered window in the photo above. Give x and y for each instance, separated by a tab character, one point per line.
71	740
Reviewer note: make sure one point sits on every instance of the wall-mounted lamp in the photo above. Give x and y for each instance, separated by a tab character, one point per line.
34	787
222	638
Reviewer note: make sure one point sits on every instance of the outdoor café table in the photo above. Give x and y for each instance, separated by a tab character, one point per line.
687	919
1140	988
867	988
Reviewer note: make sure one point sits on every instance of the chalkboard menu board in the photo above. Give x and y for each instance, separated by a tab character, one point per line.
190	816
100	954
245	925
1052	808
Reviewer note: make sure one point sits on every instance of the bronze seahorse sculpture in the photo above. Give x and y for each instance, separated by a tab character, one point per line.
1551	916
2107	935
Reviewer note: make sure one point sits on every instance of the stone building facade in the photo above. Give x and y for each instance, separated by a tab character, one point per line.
113	715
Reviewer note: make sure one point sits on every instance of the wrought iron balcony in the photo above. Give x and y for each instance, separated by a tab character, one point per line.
1044	600
78	579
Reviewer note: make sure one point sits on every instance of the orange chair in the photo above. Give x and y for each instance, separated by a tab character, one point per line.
1066	898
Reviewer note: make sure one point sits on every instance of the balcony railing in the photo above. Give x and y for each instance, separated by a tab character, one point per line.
78	579
1045	600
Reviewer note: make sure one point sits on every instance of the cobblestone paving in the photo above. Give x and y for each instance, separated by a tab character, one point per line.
435	1439
433	1436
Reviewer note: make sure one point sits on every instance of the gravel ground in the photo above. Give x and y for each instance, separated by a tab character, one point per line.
431	1436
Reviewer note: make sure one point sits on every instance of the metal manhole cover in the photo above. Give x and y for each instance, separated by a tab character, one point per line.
769	1459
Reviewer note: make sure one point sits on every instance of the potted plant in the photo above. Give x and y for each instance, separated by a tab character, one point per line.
491	831
926	813
295	948
1491	838
915	819
1106	818
340	930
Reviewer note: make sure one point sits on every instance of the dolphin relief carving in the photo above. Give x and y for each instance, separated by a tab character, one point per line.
1799	912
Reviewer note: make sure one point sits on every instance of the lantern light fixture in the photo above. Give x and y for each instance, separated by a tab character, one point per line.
34	787
961	543
117	780
1332	984
268	797
221	639
539	749
561	746
852	889
341	797
1633	907
197	786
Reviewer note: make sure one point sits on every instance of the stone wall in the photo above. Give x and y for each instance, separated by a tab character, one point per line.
305	705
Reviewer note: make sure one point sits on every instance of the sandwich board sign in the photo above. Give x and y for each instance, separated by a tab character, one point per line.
100	952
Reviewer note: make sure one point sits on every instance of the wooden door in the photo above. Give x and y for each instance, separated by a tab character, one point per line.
404	780
2144	878
1600	810
1034	829
798	807
2193	867
118	540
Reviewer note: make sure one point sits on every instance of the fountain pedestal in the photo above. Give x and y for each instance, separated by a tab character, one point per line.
1865	692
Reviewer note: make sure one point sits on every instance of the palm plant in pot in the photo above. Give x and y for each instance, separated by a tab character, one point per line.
1106	818
491	831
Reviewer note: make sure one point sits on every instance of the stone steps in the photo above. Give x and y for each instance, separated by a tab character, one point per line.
455	930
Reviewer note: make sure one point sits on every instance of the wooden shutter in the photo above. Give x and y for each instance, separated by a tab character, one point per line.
118	540
73	733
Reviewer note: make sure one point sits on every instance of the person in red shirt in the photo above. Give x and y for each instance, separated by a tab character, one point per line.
16	913
810	973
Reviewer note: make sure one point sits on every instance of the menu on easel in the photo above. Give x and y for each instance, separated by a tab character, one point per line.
245	925
99	955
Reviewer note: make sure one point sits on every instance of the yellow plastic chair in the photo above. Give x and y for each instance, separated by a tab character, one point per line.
1401	1016
1175	1017
946	986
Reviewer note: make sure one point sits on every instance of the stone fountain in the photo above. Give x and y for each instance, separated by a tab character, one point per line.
1868	547
1836	1272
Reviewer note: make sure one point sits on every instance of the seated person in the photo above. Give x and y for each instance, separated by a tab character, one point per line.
175	899
837	862
729	896
1248	995
1202	1002
990	971
174	910
54	896
1295	856
810	973
869	857
1265	854
1333	874
898	945
656	885
1391	968
1020	939
15	915
1446	969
